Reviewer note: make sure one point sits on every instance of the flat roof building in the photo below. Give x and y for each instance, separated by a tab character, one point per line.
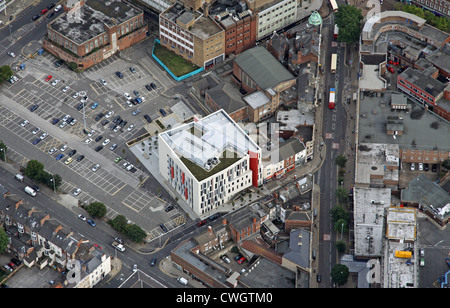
208	161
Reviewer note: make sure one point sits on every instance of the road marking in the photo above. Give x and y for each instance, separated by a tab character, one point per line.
118	190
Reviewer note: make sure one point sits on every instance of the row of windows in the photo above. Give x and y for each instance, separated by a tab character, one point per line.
416	90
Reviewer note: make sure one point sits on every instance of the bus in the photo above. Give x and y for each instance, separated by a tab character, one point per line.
334	5
333	63
336	32
332	101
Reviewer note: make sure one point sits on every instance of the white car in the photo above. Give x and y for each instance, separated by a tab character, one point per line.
44	135
87	141
103	81
65	88
63	148
74	121
24	123
11	54
36	130
116	129
109	114
63	124
420	166
79	215
129	167
66	117
128	97
95	167
130	127
91	133
51	151
106	142
75	95
55	82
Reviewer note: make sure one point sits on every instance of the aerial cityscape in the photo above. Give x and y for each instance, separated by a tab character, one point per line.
224	144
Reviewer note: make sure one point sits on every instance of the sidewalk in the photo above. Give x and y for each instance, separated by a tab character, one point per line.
14	8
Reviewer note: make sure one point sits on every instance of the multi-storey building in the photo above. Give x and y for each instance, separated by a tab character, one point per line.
240	30
192	35
440	7
93	30
208	161
273	15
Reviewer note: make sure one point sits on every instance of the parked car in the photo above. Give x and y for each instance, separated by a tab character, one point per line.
59	157
34	107
11	54
433	167
91	222
95	167
119	74
35	17
153	85
133	70
76	193
80	158
48	77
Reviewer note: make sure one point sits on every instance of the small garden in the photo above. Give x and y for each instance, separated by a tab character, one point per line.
175	63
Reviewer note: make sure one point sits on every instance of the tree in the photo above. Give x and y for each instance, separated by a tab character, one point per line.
119	223
340	160
339	274
349	19
446	164
338	212
96	209
3	150
340	246
135	233
4	240
34	170
341	195
5	73
341	226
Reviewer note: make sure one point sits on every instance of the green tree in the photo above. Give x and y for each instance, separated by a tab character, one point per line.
339	274
342	195
3	150
341	226
96	209
34	170
119	223
135	233
5	73
4	240
446	163
339	212
340	246
349	19
340	160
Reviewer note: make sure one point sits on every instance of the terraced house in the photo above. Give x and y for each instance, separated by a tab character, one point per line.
91	30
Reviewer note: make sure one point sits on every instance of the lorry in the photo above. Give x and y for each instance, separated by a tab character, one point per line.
403	254
118	246
30	191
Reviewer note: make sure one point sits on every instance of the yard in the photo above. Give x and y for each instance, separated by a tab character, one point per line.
176	64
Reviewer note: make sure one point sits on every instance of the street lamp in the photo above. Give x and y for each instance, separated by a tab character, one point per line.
54	185
4	153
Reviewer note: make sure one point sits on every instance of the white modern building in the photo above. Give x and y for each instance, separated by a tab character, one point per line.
208	161
273	16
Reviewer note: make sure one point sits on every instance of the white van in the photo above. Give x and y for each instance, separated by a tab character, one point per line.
182	280
30	191
19	177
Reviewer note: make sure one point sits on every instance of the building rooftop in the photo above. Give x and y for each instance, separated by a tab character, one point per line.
369	212
401	224
423	81
209	137
227	97
373	158
417	133
87	22
263	68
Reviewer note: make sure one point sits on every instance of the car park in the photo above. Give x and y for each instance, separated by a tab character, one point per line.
95	167
24	123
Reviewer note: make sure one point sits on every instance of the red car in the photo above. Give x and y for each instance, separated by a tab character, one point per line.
48	78
44	11
201	223
390	69
242	259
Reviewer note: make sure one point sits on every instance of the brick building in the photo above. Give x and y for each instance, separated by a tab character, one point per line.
90	31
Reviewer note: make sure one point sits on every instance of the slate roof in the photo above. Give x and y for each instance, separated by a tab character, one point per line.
263	68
